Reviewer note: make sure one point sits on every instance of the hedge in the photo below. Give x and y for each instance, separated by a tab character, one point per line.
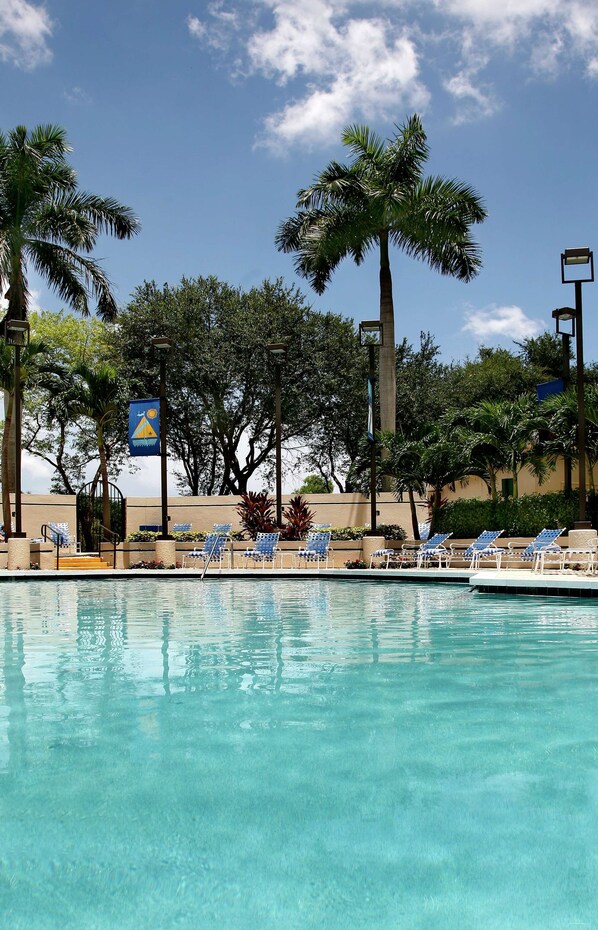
523	516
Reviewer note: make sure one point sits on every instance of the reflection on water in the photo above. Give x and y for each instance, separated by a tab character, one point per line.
304	753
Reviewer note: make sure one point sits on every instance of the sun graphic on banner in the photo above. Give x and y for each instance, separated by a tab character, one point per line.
152	413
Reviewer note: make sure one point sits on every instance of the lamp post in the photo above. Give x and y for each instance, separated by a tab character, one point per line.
163	344
581	259
17	333
564	318
371	335
278	353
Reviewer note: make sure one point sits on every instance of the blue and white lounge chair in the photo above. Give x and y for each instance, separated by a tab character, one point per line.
181	528
60	535
265	549
317	549
213	550
433	548
482	548
222	527
424	530
543	545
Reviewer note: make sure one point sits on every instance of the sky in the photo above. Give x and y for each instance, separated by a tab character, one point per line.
207	118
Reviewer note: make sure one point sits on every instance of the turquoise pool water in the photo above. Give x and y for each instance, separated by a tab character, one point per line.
296	754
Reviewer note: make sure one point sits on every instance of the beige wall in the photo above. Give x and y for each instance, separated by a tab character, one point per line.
37	509
203	512
475	487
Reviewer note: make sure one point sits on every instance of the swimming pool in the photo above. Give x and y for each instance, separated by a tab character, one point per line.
296	754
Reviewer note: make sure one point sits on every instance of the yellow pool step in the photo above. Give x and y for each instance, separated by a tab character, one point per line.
82	563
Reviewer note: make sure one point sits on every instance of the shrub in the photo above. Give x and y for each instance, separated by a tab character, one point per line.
391	531
153	565
523	516
347	532
355	563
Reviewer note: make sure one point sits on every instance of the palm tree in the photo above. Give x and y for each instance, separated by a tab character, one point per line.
383	199
508	438
97	396
49	225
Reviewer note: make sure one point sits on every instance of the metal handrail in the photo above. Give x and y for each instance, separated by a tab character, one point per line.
112	537
209	558
54	538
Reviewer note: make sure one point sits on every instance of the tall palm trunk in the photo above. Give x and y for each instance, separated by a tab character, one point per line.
8	467
106	516
388	372
6	460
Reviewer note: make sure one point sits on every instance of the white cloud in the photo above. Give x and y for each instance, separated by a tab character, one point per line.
24	33
346	60
77	96
491	322
356	69
473	99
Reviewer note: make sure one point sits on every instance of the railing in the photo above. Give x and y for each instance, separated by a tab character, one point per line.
52	536
112	537
210	554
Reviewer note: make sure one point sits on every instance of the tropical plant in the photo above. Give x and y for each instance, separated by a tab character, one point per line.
48	224
381	199
97	397
299	518
256	511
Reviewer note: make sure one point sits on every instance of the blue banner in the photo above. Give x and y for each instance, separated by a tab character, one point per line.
371	409
144	427
549	387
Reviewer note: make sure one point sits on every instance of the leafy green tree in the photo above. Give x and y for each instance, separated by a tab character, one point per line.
544	355
220	378
379	200
496	374
424	386
315	484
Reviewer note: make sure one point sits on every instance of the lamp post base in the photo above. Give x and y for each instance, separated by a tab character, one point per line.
582	525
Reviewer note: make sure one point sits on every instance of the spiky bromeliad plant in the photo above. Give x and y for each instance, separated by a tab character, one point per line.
299	518
256	513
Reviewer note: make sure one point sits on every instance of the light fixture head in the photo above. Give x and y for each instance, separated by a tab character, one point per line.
162	342
16	332
574	258
371	333
278	351
565	320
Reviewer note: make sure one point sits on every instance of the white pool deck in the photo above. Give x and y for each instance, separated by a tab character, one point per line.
503	581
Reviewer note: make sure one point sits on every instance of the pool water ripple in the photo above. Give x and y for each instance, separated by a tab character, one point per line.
297	754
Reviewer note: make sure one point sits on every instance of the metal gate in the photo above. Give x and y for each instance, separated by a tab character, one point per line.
90	514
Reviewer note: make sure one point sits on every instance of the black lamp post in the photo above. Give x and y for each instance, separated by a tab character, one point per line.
17	333
564	318
371	335
582	261
278	353
163	344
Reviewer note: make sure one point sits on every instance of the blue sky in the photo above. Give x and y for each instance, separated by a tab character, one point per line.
206	118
